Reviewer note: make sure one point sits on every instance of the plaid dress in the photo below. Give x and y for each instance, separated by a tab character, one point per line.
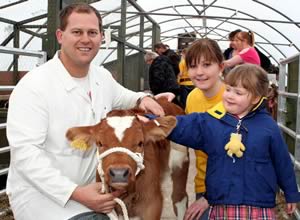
240	212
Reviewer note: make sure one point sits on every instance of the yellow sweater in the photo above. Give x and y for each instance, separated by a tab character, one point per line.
184	79
198	102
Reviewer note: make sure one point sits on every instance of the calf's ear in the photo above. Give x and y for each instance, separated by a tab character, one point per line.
159	128
81	137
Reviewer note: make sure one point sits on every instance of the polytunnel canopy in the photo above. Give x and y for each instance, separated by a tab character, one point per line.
276	24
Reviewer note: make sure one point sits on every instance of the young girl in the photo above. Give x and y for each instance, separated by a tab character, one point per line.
244	43
204	61
247	156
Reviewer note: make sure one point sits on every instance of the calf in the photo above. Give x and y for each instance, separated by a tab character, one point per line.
126	145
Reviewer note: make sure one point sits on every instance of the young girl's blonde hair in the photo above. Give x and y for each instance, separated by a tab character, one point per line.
251	77
206	48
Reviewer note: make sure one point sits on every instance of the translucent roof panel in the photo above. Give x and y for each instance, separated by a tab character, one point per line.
276	24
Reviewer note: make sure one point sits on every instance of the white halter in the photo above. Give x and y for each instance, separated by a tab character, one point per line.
137	157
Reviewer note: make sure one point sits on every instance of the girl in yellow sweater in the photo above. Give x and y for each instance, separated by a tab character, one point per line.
204	60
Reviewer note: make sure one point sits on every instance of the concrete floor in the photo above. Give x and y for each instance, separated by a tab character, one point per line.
168	213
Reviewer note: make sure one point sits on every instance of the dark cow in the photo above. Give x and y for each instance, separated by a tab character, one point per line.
125	146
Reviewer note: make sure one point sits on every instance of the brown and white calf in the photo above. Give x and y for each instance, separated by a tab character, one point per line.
123	135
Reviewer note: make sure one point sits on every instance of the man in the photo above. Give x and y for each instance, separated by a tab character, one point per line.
161	75
162	49
47	178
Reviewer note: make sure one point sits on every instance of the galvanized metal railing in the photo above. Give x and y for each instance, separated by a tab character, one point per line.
41	55
289	95
4	149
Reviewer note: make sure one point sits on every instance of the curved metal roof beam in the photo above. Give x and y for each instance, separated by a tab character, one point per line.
233	23
257	43
260	36
279	12
214	34
244	13
106	13
229	31
172	37
220	24
13	3
174	8
241	26
140	9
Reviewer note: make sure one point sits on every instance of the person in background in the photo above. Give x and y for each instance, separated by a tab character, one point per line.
161	75
204	60
47	178
244	43
162	49
265	62
186	84
272	100
231	51
247	156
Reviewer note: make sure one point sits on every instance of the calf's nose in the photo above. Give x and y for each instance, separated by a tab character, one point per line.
119	175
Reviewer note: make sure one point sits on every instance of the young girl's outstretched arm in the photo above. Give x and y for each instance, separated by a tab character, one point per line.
284	167
188	130
233	61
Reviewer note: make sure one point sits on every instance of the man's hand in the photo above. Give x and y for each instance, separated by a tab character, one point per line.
149	104
91	197
196	209
169	95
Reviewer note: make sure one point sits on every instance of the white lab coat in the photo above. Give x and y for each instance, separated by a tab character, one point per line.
44	169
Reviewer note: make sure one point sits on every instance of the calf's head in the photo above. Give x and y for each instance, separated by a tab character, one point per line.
120	129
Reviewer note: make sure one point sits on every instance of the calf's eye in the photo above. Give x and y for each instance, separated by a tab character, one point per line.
99	143
141	144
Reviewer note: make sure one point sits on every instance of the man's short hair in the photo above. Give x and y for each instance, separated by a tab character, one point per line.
159	45
150	56
78	8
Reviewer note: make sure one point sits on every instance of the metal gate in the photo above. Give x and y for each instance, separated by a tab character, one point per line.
41	59
288	116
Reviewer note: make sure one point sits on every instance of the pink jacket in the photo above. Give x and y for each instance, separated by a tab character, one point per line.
249	55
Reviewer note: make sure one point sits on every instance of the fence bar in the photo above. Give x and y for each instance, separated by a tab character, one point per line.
18	51
2	125
6	88
288	94
290	132
4	149
3	171
295	162
289	59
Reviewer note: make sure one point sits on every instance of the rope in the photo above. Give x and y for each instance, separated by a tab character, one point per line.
137	157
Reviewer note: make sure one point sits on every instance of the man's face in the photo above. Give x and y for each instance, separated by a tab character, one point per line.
149	62
159	50
80	41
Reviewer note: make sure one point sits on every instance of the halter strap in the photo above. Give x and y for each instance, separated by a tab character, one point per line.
137	157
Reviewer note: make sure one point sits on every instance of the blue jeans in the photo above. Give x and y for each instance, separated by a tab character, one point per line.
205	214
90	216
